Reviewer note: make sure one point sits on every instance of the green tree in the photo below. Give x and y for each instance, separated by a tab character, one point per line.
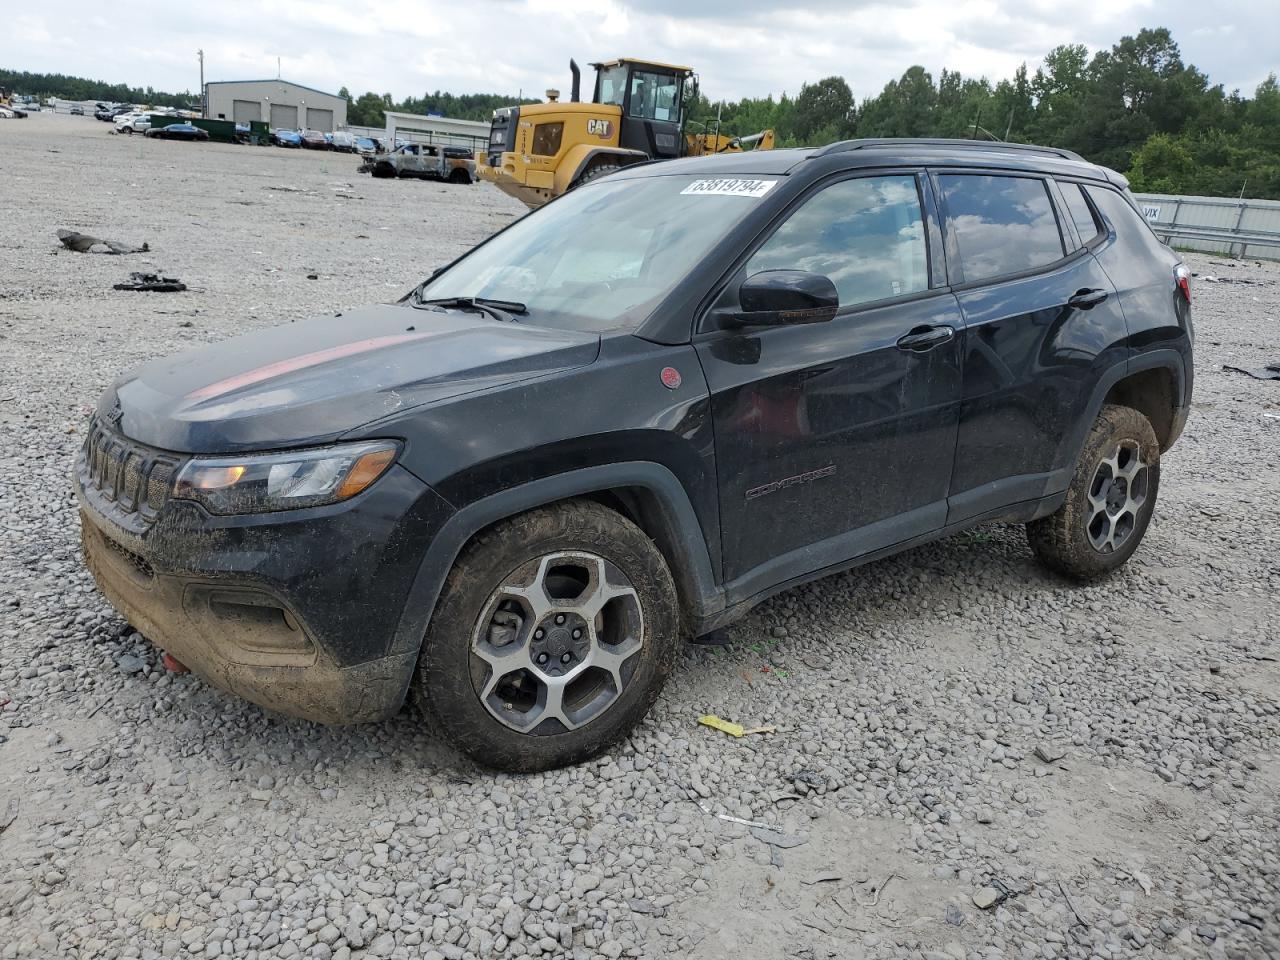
823	112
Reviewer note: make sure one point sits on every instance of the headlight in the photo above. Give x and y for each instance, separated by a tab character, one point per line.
257	483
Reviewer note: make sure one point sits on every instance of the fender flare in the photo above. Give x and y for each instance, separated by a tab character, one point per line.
579	157
691	564
1166	359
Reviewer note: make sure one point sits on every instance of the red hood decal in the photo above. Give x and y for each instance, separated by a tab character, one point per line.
281	367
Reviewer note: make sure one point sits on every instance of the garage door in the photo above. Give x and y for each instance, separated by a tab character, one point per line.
246	111
321	120
284	117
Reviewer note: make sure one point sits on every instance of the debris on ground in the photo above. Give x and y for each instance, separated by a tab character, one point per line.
809	779
826	876
1047	753
9	815
775	838
987	897
733	729
994	895
1270	372
152	283
83	243
1210	278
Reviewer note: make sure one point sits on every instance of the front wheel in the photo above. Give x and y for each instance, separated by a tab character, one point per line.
553	637
1110	501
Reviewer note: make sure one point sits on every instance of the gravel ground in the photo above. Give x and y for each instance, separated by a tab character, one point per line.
951	723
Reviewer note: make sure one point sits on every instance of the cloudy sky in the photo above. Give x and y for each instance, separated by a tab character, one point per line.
739	47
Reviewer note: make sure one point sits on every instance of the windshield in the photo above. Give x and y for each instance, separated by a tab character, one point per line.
604	255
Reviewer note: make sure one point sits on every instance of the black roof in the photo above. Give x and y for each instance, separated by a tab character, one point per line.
848	154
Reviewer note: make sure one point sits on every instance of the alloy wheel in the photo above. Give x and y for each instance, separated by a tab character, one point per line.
1117	493
555	644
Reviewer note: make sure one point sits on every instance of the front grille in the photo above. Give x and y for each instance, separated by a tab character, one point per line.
135	477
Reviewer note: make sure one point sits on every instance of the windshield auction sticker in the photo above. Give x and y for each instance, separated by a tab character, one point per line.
730	187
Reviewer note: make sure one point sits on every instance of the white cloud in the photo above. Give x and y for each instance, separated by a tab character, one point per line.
739	47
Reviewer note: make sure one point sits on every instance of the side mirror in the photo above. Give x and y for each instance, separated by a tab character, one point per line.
778	297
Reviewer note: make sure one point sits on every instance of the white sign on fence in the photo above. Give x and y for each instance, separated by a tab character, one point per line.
1151	211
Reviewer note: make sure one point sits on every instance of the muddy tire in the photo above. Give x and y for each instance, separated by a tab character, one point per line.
1109	503
554	634
459	176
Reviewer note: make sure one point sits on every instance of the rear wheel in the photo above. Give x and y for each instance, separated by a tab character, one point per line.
553	636
1110	501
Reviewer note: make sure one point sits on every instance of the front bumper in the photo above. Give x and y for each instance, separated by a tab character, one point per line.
298	611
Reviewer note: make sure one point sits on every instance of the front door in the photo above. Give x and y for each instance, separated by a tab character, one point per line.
651	114
834	440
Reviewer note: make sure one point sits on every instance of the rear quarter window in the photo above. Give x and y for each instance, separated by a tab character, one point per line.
1124	218
1002	225
1082	215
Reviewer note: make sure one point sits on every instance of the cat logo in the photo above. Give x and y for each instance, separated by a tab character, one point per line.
600	128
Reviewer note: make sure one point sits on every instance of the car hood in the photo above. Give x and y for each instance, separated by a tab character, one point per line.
312	381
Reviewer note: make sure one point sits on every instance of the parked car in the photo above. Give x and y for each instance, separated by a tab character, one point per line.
313	140
178	131
368	146
133	123
433	497
12	113
462	165
424	161
76	110
287	138
343	140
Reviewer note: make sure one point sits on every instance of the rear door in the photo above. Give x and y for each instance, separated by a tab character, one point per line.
1041	321
834	440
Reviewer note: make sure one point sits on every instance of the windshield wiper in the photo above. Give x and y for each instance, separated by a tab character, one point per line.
498	309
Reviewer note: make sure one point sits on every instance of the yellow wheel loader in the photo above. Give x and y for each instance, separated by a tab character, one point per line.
538	151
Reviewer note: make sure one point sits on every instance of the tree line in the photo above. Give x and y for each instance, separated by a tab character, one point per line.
64	87
1137	107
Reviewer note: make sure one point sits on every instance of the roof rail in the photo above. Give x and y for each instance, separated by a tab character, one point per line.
998	146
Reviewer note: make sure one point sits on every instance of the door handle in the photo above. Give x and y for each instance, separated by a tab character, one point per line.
1087	299
921	339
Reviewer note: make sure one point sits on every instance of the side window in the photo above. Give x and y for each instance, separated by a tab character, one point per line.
1002	225
1081	213
1124	218
867	235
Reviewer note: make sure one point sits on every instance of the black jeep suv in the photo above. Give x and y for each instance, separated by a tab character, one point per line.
632	415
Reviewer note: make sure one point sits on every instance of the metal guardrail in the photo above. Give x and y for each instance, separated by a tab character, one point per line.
1216	224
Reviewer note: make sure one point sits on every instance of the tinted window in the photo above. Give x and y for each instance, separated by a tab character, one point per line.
1002	225
867	235
1081	212
1124	218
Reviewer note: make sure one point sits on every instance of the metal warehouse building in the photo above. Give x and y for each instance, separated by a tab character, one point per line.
283	105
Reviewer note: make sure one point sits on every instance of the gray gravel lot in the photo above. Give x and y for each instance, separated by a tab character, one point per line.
144	814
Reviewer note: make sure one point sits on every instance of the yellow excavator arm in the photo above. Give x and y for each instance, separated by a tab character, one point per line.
703	144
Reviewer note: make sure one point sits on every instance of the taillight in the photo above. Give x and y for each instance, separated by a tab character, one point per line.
1182	276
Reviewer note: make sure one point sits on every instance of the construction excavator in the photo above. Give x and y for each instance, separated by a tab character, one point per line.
538	151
